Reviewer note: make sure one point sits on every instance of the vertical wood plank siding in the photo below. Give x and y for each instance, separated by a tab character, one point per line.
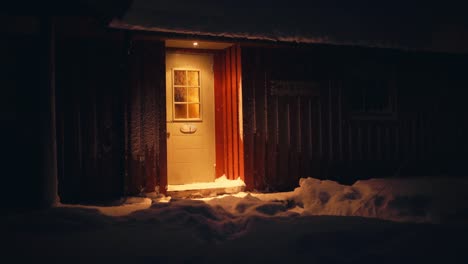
111	114
145	151
90	133
27	113
313	133
229	143
281	114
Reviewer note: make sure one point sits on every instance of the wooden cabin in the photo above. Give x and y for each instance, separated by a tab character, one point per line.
132	109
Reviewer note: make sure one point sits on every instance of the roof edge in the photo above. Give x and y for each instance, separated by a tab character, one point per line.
270	39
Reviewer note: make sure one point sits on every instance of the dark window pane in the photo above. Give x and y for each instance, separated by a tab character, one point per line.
180	94
180	111
377	97
354	91
180	78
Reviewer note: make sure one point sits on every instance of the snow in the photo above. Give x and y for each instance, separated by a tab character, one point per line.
428	200
130	205
277	37
393	25
319	222
417	200
221	182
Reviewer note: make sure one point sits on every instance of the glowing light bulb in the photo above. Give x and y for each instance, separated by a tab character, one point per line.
195	44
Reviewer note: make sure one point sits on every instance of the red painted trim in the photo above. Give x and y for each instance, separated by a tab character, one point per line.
223	81
234	113
229	145
239	110
230	169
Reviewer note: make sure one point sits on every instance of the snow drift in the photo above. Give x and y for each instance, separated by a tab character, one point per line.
301	226
428	200
416	200
404	200
395	25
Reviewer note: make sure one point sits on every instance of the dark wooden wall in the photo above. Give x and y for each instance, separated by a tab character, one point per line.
311	130
145	117
90	108
279	131
26	112
229	142
110	114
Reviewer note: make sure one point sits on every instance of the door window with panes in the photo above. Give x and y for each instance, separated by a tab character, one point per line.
186	92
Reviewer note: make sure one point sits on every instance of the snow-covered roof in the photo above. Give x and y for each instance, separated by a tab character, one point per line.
396	24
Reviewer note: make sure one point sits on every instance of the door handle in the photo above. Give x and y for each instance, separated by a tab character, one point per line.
188	129
168	135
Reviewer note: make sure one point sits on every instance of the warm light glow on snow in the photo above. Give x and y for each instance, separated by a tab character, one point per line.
402	200
164	199
221	182
276	227
131	205
238	195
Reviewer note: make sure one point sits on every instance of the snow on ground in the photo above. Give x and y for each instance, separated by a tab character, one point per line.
417	200
221	182
282	37
405	200
318	222
130	205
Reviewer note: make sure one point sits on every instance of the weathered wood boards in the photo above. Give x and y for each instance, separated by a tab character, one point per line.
229	141
301	118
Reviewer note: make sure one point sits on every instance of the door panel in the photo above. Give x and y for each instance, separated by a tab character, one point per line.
191	141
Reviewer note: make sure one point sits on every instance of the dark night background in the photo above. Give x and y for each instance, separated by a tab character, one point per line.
404	25
427	41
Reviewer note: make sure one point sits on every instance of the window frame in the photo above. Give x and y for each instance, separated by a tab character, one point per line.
186	86
390	113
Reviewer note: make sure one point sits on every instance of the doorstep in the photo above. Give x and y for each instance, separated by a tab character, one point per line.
204	193
219	186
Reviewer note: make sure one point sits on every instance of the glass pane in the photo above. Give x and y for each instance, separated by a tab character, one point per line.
179	78
180	111
193	95
193	78
377	97
194	111
180	94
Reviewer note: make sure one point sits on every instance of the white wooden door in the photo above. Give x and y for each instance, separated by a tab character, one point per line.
190	118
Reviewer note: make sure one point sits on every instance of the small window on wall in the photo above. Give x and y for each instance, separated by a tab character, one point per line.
370	98
186	92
